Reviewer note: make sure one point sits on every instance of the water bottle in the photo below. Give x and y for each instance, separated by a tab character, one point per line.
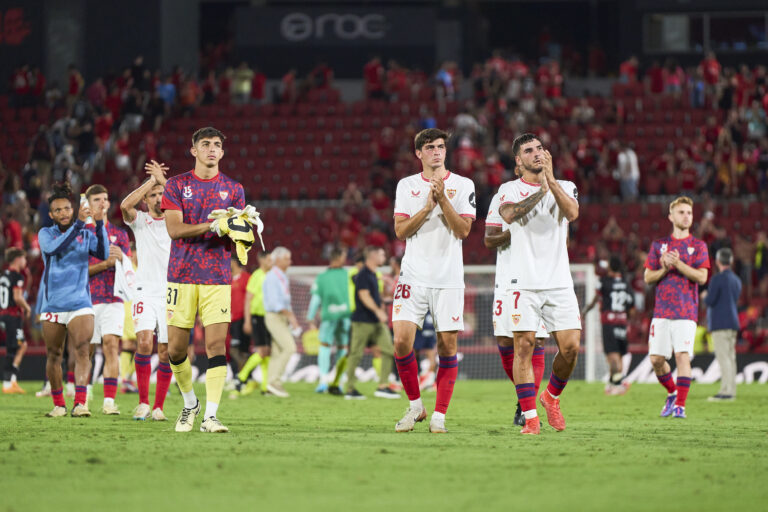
84	201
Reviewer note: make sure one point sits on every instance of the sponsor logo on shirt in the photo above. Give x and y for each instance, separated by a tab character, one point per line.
187	193
524	194
451	193
472	200
415	193
502	197
455	318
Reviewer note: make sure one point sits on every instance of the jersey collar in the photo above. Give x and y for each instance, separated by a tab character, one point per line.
447	173
531	184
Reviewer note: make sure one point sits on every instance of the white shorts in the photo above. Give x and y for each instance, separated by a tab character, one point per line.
149	315
667	335
502	318
411	304
109	319
65	317
557	308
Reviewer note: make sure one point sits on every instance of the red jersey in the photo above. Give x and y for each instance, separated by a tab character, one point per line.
238	295
203	259
677	297
102	285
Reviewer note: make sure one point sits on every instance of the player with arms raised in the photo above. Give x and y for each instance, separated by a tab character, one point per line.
434	211
199	273
538	208
153	246
677	264
66	310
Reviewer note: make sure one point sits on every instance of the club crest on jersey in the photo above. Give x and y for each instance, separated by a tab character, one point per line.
170	314
187	193
691	250
415	193
223	194
79	239
451	193
112	238
663	247
515	319
397	307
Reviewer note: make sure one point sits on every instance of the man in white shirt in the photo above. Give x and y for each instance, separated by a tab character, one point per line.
538	208
153	245
433	213
629	171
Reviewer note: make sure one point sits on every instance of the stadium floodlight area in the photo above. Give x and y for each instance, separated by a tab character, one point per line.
478	355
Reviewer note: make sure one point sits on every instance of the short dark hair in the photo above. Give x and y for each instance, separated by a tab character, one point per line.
207	132
523	139
359	257
335	253
429	135
95	189
60	191
724	256
370	250
13	253
615	264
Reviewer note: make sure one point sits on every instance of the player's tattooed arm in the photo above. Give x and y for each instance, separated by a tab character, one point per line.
512	212
495	238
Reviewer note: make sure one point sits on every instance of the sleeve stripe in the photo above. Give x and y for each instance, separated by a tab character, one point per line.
399	214
467	215
492	224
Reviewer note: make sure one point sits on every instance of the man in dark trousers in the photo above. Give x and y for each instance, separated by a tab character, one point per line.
723	321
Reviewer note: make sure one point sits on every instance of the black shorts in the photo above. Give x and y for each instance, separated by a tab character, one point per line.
238	338
615	338
14	332
259	332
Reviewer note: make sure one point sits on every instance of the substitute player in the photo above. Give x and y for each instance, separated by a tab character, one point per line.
153	247
677	264
107	307
66	311
199	273
434	211
497	236
540	287
616	301
330	292
13	310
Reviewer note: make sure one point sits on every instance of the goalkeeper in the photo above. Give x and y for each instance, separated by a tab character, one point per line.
199	273
331	291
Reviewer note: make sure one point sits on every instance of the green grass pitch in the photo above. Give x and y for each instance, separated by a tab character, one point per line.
321	453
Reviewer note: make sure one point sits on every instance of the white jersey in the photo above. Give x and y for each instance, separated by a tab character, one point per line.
538	256
502	254
433	255
153	245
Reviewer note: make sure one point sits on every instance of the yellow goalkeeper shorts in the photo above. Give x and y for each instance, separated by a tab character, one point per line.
184	300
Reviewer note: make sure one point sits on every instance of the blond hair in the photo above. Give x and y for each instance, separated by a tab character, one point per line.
680	200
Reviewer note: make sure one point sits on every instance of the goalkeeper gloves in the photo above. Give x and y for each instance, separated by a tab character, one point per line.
238	226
